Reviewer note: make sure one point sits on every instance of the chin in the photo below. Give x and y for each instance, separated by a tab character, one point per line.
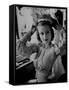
45	42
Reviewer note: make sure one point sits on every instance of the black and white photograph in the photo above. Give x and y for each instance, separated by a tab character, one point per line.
40	44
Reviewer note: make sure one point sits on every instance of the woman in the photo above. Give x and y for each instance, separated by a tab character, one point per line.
46	52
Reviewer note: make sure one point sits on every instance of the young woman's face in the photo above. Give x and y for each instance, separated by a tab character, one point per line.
44	33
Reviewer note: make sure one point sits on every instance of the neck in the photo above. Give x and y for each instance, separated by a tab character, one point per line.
45	45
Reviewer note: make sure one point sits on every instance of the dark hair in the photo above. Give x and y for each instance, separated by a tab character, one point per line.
43	23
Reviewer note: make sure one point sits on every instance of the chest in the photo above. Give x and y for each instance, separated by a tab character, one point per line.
46	57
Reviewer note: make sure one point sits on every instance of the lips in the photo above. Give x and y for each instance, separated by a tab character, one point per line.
46	39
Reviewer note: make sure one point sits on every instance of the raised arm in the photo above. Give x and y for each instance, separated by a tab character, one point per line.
22	48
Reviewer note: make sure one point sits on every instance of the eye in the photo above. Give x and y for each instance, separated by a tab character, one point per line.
42	33
47	32
23	33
